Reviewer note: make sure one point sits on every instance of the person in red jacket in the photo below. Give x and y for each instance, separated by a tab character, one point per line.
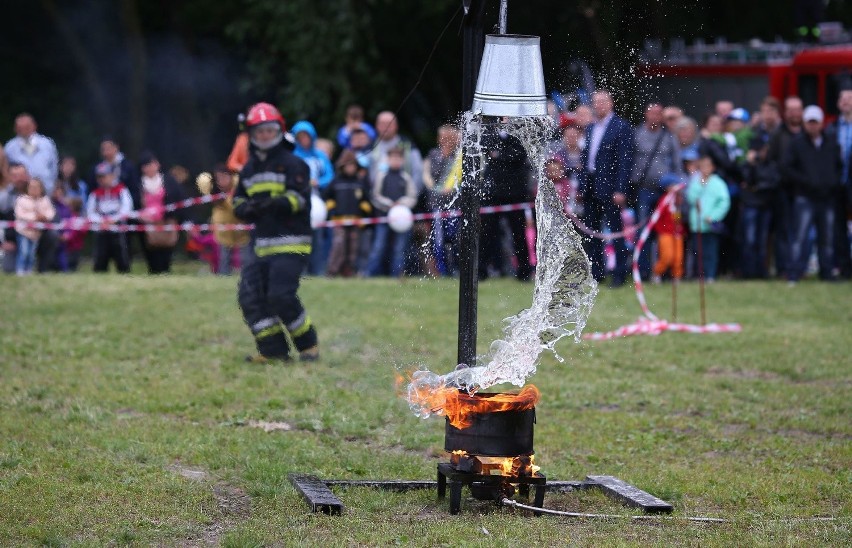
670	233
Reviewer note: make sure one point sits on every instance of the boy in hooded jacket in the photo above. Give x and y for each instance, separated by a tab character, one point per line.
322	173
347	198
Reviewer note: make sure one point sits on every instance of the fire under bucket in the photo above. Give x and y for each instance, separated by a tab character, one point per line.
511	77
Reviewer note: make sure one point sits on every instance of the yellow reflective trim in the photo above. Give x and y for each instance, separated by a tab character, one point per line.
303	249
271	187
269	331
302	328
294	202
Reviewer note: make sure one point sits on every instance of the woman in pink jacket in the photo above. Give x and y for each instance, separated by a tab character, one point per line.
158	190
34	206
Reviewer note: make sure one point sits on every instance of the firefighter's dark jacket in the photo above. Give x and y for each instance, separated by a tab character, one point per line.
274	192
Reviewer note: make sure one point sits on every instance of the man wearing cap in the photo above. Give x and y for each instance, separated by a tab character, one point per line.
814	170
735	140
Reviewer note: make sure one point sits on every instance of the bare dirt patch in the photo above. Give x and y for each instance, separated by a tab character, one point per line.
742	373
233	504
271	426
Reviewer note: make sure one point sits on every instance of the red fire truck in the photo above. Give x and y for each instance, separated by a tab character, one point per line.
695	77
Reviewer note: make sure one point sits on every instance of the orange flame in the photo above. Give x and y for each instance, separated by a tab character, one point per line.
460	407
519	466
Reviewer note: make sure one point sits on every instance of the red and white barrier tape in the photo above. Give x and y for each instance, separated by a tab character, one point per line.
644	326
189	202
650	324
640	243
626	233
112	226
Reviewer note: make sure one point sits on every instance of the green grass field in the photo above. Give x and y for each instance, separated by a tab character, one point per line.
127	416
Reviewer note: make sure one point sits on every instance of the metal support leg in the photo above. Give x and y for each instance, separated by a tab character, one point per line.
524	491
455	496
539	498
442	485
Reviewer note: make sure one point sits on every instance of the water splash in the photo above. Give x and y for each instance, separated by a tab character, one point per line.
563	295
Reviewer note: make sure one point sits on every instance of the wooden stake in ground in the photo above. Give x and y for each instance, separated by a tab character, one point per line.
700	268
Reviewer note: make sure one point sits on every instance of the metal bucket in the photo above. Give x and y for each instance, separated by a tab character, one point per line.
511	77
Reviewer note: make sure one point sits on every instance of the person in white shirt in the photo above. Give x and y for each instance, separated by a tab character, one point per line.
33	150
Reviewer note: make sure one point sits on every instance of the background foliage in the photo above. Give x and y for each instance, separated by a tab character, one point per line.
172	76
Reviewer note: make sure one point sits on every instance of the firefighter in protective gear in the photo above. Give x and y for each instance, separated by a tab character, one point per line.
274	193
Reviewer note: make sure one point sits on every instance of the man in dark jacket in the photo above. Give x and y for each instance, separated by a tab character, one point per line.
841	131
505	180
782	216
274	192
757	196
607	162
814	171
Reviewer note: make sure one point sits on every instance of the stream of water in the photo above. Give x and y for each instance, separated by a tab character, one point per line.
563	294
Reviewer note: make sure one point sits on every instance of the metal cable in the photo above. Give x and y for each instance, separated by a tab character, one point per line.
514	504
698	519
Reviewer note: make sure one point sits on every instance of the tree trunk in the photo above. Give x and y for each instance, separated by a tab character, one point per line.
137	92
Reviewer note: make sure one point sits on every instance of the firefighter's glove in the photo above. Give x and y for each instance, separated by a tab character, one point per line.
248	209
288	204
263	206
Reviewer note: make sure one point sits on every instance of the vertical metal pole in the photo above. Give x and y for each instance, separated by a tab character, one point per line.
469	233
473	44
501	22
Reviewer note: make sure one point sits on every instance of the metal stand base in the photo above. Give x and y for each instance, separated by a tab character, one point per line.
459	479
320	498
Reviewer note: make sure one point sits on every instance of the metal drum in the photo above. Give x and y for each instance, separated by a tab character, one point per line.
502	433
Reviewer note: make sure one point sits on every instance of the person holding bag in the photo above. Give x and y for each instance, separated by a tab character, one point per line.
657	155
158	191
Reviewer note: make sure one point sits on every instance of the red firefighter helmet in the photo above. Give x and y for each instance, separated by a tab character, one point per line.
265	115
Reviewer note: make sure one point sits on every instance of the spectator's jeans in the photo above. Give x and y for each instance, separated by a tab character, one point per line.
444	236
754	234
378	253
25	261
842	258
598	214
344	250
782	227
807	212
646	200
230	257
9	260
708	250
321	242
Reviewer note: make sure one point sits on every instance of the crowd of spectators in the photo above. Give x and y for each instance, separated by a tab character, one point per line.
760	192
